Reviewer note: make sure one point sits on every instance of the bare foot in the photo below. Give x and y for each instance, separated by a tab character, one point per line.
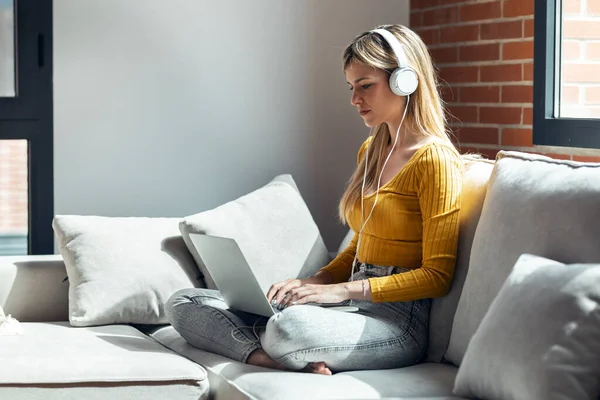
260	358
317	368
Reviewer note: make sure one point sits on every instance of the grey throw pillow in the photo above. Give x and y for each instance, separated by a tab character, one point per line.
273	228
540	339
122	270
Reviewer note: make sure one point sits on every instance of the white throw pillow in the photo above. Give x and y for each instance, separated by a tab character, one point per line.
540	339
273	228
122	270
535	205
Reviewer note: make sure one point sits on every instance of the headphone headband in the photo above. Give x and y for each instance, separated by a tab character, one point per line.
395	45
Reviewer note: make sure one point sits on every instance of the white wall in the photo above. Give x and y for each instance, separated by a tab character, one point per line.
168	108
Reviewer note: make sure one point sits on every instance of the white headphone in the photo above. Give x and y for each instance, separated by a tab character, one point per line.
403	82
404	79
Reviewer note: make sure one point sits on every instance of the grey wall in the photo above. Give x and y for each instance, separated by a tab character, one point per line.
168	108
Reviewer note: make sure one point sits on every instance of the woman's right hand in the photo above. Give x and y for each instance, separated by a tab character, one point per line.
278	290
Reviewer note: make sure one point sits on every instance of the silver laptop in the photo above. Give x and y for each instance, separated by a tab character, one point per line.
230	271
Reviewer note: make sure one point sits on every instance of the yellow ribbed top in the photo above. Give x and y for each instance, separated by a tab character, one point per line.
414	225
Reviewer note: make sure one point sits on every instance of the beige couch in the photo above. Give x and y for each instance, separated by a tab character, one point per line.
54	360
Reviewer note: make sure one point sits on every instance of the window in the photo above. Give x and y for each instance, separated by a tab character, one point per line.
26	178
566	84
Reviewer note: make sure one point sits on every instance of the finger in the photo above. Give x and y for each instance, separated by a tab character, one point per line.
299	293
275	288
284	290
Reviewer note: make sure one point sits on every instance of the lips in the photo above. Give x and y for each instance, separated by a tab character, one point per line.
364	112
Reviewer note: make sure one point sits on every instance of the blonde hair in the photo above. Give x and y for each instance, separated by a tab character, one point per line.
425	113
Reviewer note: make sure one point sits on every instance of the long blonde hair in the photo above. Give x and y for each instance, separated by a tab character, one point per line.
425	113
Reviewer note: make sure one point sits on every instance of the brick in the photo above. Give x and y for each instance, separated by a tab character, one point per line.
593	51
500	115
522	50
571	50
558	156
419	4
440	16
580	73
581	29
569	94
501	73
449	94
480	11
429	36
592	95
416	19
517	137
480	52
593	7
479	94
481	135
517	94
466	33
502	30
444	55
528	72
517	8
463	113
572	7
459	74
527	116
593	159
528	28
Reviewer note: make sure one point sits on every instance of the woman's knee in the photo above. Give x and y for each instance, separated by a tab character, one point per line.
288	331
181	299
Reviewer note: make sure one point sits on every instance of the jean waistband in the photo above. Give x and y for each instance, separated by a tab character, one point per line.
380	270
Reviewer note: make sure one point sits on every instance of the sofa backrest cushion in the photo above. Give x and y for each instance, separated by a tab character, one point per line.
534	204
34	289
476	178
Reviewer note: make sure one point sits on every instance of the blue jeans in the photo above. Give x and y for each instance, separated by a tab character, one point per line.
379	335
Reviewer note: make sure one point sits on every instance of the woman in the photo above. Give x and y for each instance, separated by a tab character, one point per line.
402	201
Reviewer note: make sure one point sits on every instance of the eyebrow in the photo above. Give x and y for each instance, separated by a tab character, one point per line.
359	79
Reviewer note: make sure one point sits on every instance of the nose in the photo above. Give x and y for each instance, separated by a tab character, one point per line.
355	99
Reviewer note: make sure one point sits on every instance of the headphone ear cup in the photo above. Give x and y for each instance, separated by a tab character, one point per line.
404	81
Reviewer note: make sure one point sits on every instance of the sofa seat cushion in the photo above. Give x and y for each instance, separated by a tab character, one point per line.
234	380
56	354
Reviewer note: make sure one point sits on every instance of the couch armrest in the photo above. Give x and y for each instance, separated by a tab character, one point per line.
32	288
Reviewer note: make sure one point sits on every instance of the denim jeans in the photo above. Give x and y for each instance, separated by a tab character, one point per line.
379	335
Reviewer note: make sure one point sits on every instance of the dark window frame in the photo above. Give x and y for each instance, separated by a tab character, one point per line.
547	130
29	116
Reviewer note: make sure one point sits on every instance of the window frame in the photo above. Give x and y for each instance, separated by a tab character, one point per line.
547	130
29	116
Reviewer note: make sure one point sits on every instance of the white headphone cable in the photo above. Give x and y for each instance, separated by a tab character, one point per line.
362	197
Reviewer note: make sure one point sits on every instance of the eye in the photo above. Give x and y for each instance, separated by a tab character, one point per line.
365	87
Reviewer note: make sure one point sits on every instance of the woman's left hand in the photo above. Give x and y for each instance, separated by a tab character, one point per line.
308	293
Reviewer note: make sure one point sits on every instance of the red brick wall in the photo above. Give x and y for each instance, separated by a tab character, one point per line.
484	52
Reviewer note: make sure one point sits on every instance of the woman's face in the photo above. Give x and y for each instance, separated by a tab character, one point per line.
372	96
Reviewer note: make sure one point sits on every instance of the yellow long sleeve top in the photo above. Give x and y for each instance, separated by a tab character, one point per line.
414	225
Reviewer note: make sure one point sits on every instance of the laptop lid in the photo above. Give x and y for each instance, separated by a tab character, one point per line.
234	278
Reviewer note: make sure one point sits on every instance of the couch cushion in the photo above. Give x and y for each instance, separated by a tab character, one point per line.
234	380
540	338
476	177
56	354
273	228
536	205
43	275
122	269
